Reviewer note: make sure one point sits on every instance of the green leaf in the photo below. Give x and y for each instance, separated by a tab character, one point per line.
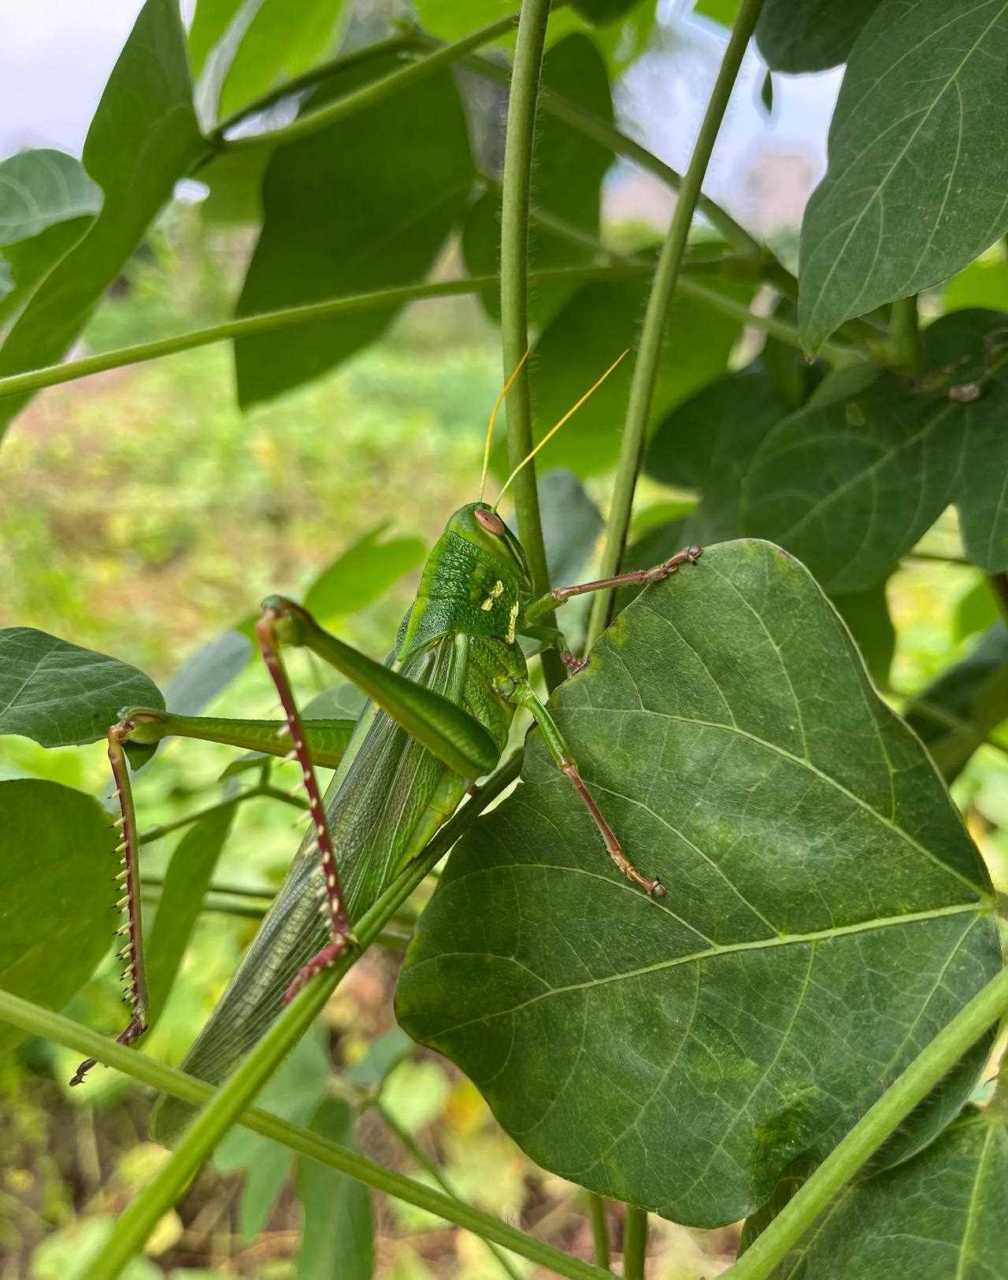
723	11
849	485
566	183
603	12
586	336
362	574
826	913
957	712
39	189
984	283
209	25
810	35
278	46
206	672
143	138
62	695
57	913
914	189
337	1237
185	884
572	525
867	615
365	204
947	1209
976	611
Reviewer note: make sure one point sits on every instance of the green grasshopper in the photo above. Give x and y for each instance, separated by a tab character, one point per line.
437	718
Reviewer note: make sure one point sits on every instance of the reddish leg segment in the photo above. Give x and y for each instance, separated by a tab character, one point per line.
333	904
128	878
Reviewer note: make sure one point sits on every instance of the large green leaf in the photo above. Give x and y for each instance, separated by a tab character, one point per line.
826	910
365	204
584	338
941	1216
62	695
143	138
957	712
41	188
337	1236
185	884
278	45
849	485
566	182
209	25
915	187
57	914
362	573
809	35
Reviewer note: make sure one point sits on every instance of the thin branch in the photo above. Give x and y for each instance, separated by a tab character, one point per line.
135	1224
666	277
635	1234
251	793
514	271
600	1230
904	335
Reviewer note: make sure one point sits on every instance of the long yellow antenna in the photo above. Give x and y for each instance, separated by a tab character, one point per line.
493	419
554	429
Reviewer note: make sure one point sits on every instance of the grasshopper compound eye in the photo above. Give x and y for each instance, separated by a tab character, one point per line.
490	521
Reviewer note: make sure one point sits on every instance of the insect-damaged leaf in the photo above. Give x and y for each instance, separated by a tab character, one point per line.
809	35
948	1206
143	138
62	695
914	188
364	204
826	910
957	712
57	917
566	183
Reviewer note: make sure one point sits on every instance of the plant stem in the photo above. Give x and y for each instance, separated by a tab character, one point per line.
904	333
374	91
36	1021
251	793
999	585
770	1248
399	43
515	197
600	1230
645	371
424	1161
201	1137
635	1233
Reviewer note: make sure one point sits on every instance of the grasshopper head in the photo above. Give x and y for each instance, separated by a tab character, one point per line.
479	523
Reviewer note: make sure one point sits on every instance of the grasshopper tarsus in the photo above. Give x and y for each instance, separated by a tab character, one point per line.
133	1032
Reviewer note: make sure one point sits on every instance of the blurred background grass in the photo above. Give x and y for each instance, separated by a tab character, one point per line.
141	513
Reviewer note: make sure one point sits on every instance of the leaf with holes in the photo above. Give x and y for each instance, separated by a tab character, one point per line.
826	909
914	189
62	695
57	915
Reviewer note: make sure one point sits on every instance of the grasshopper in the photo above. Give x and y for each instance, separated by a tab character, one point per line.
438	716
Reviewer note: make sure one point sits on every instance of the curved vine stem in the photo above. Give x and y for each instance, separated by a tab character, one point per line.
516	186
223	1110
666	277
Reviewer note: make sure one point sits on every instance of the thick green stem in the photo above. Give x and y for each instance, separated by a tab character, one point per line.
904	333
425	1162
36	1021
516	186
206	1130
376	90
635	1233
770	1248
600	1230
666	277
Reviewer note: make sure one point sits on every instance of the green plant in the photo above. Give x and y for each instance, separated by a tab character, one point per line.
793	1035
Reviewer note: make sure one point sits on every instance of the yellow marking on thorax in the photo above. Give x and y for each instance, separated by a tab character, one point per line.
496	591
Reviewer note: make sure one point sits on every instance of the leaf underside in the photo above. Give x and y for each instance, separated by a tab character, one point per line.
826	912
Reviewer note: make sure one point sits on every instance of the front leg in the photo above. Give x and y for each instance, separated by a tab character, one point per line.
560	595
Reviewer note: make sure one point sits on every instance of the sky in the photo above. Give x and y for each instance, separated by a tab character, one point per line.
55	56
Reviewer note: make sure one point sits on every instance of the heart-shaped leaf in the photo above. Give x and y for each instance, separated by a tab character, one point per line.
914	189
949	1205
57	914
826	909
62	695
